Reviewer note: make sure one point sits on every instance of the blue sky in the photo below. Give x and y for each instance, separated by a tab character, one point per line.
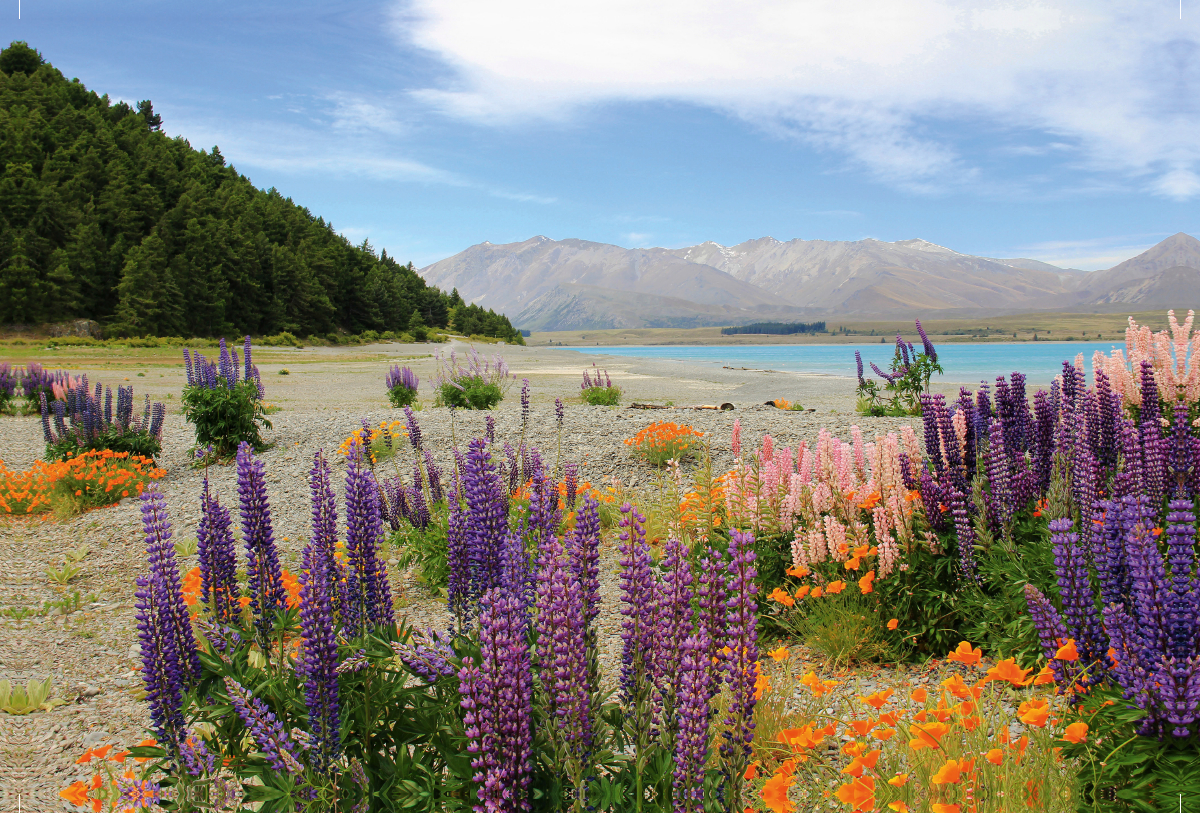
1064	131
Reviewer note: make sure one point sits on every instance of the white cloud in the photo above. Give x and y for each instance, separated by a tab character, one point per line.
1088	255
887	84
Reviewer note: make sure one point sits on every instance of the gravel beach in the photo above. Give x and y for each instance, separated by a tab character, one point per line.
90	651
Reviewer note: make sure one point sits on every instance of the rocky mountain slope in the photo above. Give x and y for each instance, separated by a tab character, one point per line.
545	284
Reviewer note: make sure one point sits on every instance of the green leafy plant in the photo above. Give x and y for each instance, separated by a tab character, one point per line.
426	548
903	387
479	384
65	574
225	417
601	396
33	696
186	546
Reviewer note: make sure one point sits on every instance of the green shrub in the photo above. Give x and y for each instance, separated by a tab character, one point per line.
283	339
601	396
224	417
470	393
134	441
480	384
426	549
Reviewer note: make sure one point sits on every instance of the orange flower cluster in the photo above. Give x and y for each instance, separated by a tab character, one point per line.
93	477
191	589
26	492
387	430
101	792
947	770
663	441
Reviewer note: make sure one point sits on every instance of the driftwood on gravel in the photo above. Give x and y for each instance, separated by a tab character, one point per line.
723	407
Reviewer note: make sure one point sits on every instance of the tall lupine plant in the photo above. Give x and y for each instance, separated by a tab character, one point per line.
223	400
402	385
904	385
77	421
8	386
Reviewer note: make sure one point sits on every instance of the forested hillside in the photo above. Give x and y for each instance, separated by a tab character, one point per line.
103	216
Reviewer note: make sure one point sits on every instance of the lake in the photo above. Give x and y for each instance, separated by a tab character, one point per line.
965	363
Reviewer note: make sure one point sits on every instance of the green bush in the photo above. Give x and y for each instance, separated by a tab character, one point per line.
283	339
136	442
601	396
401	396
426	549
470	393
225	417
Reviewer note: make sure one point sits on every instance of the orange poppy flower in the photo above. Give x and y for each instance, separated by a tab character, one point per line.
860	763
798	572
781	597
1034	712
899	806
833	588
802	591
938	807
816	593
892	624
919	695
1046	675
1007	669
780	654
859	794
1067	652
860	727
865	584
883	734
1076	732
898	780
76	793
878	699
995	756
751	771
774	793
952	771
965	654
927	735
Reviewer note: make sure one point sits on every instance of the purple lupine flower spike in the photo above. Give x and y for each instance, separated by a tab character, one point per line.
319	658
741	664
696	686
265	580
1079	613
217	552
930	350
673	624
637	604
414	429
428	655
366	575
266	730
497	704
562	654
524	404
170	661
490	423
571	480
858	360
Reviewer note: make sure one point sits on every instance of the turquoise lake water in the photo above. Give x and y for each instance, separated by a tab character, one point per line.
966	363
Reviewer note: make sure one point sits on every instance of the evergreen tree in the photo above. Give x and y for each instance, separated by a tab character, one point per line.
103	216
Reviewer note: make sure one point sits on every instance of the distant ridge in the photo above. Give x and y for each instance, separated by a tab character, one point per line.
544	284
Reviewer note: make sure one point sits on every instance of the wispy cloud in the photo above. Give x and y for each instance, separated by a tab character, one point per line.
1088	255
902	90
637	239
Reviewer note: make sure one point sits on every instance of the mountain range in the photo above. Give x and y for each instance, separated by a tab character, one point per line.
543	284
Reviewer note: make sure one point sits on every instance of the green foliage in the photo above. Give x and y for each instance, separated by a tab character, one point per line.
426	548
225	417
601	396
103	216
1123	771
140	443
33	696
775	328
283	339
843	628
401	396
907	382
472	392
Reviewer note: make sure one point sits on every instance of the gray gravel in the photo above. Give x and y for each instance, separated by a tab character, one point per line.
90	652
